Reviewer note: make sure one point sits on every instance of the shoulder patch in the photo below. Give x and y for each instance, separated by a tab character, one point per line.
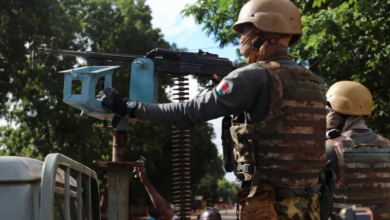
222	88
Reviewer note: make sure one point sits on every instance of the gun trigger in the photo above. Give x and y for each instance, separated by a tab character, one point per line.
214	81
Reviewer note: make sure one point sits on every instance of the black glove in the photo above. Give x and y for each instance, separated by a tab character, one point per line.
114	101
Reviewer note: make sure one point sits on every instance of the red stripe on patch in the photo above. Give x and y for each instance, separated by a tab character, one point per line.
224	88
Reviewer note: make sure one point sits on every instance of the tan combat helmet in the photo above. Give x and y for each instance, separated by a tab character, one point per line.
274	16
350	98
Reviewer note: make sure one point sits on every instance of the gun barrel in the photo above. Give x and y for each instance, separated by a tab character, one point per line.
91	55
64	52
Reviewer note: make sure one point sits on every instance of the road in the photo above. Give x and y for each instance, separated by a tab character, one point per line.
226	214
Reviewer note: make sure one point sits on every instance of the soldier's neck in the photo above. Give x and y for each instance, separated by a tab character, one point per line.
281	55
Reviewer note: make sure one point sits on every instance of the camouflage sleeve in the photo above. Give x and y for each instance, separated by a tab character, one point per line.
236	93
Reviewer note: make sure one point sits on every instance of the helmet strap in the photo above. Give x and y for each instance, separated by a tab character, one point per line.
258	43
273	41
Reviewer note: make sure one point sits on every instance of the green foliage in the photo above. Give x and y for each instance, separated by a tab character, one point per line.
25	25
218	17
342	40
31	84
228	191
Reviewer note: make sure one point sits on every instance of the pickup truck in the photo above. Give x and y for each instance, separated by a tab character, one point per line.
58	188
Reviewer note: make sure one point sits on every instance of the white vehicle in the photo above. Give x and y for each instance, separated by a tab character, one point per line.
59	188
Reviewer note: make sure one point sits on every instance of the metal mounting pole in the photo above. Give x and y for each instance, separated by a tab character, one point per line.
118	174
143	87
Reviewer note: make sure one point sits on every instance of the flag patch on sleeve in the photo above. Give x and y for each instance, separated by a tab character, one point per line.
222	88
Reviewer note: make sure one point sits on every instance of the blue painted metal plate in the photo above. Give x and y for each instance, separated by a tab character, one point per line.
143	82
143	86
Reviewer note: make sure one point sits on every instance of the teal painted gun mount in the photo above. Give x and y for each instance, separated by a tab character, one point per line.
86	101
143	86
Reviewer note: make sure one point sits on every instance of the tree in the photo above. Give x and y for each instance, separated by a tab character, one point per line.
228	191
45	124
25	25
342	40
29	82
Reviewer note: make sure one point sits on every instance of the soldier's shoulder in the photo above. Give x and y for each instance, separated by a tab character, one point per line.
332	142
251	70
269	64
382	138
250	67
337	140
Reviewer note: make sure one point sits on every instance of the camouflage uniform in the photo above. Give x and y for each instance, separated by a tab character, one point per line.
363	174
281	102
287	147
298	208
264	206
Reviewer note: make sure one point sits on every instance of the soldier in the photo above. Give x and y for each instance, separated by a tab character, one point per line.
358	155
279	115
210	213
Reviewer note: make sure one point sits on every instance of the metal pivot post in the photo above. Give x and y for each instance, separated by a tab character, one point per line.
143	87
118	173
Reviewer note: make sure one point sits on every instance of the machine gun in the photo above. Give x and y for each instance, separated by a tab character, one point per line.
143	84
201	64
143	87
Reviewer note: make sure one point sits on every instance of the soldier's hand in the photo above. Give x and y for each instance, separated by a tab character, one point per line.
113	100
217	79
142	173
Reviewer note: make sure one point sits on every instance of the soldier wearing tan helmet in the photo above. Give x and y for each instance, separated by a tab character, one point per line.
359	156
278	110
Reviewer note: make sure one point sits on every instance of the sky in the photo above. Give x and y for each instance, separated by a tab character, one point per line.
186	33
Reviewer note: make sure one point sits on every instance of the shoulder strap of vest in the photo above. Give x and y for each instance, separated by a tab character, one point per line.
269	64
348	143
301	75
381	143
265	65
351	143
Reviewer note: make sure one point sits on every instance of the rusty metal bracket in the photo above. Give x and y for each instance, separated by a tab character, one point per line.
106	164
118	187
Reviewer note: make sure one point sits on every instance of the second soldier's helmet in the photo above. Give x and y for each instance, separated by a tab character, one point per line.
273	16
350	98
